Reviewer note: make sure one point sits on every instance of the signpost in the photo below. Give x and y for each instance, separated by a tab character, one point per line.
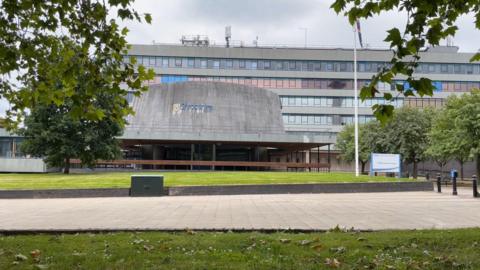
385	163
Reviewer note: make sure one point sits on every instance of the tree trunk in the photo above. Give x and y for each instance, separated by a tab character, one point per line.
461	169
363	166
66	170
478	165
415	169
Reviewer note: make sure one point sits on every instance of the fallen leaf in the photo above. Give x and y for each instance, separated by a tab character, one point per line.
20	257
333	263
41	266
35	254
147	247
361	239
317	247
285	241
305	242
339	250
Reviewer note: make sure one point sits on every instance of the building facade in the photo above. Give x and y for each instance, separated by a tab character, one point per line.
315	85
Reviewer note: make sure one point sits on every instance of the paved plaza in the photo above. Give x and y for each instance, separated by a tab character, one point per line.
365	211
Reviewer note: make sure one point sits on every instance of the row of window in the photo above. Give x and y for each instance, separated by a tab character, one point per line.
10	147
289	65
290	83
346	102
323	120
424	102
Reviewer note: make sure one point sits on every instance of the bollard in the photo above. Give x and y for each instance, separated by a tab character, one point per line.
439	183
454	183
475	186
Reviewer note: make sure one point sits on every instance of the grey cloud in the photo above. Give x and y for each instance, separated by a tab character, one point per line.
249	12
274	21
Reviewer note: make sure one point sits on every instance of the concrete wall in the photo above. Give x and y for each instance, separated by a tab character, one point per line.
290	53
30	165
234	109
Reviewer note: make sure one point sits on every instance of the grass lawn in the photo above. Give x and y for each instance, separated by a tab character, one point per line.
454	249
122	179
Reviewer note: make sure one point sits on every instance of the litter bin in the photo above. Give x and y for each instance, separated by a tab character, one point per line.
146	186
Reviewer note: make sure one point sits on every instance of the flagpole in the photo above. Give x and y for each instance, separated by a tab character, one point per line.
355	90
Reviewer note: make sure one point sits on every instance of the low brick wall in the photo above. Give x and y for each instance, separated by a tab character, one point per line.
64	193
301	188
224	190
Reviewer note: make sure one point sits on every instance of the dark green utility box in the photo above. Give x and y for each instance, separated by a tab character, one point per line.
146	186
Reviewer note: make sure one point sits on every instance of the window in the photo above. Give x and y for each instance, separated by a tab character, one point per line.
304	119
291	119
191	62
241	64
291	65
291	101
158	62
203	63
184	62
216	64
304	101
178	62
329	66
229	64
266	64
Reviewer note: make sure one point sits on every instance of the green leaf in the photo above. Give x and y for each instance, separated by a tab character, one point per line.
475	58
394	37
148	18
383	112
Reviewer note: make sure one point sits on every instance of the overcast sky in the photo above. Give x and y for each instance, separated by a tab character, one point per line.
274	22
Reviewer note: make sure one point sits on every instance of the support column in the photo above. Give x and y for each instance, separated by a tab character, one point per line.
318	158
328	157
214	154
192	151
307	159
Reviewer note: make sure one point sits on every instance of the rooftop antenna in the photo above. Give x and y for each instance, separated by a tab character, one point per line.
228	34
255	42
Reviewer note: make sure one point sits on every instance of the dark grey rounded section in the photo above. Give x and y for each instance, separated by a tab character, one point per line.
212	107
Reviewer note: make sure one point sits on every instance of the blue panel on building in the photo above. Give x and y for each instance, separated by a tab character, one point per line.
173	79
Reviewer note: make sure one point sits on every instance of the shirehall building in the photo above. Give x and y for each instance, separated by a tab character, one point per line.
212	107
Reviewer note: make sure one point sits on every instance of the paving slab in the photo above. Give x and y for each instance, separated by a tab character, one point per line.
363	211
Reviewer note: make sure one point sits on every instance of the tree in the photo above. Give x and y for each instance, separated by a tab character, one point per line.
53	134
439	142
406	134
446	141
428	22
370	140
463	114
47	47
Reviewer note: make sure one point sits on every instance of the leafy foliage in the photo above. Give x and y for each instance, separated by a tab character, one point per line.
49	47
52	133
460	121
428	22
405	134
370	140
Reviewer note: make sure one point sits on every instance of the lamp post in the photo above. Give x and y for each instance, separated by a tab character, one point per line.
305	32
355	93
